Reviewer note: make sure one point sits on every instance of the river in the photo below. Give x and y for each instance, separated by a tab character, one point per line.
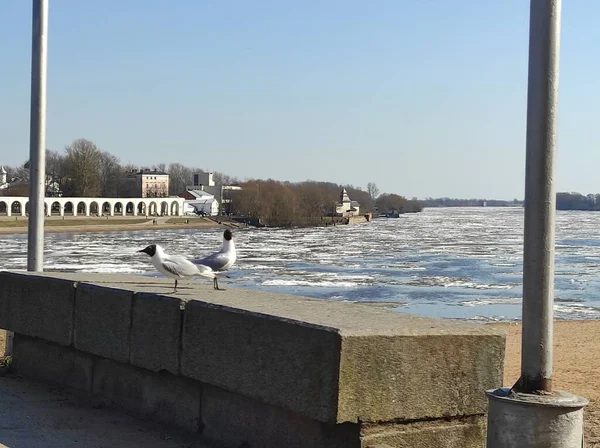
443	262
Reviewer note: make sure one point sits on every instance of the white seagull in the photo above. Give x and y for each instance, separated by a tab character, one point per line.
223	259
177	267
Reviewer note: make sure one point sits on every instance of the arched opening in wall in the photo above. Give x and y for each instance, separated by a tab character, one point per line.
3	208
118	210
16	208
106	209
164	208
129	208
81	208
141	208
45	209
153	209
175	208
69	208
94	209
55	208
27	208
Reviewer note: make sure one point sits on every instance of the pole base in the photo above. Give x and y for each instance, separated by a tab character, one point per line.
517	419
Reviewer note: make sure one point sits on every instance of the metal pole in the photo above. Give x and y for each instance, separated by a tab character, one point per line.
540	198
37	137
37	146
531	413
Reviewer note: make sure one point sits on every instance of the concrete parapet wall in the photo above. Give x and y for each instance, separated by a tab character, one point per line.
257	368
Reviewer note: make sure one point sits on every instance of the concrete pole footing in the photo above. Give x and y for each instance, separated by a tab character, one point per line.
535	421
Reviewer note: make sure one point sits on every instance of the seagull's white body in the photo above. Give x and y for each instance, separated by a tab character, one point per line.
177	267
223	259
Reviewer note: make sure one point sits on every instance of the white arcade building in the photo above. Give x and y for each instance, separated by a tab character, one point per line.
61	206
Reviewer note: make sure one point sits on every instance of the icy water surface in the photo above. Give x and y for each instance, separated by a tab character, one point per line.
446	262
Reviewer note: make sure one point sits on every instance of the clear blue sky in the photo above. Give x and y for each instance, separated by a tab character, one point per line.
424	97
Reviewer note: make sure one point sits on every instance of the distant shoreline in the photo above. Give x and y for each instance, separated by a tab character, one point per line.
108	227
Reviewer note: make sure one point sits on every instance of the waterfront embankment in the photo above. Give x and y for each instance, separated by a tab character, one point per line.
12	225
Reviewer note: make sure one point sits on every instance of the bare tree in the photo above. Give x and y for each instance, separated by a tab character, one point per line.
57	173
246	202
55	164
179	177
84	161
372	190
110	173
126	185
224	179
20	172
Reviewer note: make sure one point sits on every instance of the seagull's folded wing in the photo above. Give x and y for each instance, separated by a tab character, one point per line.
215	261
179	266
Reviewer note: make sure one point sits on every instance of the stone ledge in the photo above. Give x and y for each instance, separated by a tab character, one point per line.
329	361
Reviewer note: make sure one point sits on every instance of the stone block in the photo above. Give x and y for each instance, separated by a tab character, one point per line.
466	432
419	376
103	321
162	396
290	364
375	367
52	362
37	306
156	332
232	420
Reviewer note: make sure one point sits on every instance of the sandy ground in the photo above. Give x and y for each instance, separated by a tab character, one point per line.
576	367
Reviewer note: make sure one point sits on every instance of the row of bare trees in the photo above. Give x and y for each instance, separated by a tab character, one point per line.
288	204
84	170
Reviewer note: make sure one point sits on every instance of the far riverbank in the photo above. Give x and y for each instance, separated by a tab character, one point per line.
18	225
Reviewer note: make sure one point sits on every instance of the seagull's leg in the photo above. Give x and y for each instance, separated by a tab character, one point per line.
175	286
217	285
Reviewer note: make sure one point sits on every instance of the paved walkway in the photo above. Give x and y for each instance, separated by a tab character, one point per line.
35	415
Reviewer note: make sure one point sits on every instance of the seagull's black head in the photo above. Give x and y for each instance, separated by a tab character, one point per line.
150	250
227	235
